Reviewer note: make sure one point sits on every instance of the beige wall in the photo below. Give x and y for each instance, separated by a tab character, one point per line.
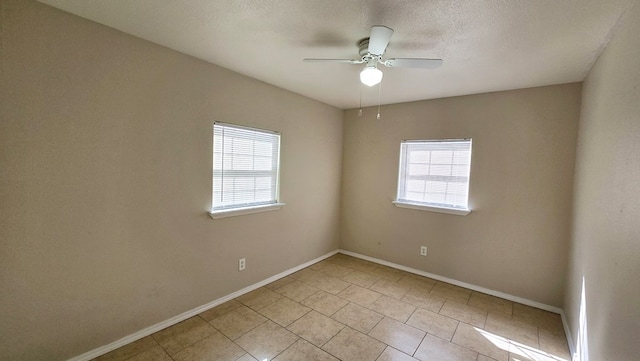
605	248
515	240
105	181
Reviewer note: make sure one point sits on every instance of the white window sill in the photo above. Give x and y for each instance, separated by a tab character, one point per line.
242	211
456	211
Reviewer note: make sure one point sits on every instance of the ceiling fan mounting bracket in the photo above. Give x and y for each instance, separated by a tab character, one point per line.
366	56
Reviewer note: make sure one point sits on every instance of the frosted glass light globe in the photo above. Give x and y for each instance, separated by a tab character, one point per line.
370	76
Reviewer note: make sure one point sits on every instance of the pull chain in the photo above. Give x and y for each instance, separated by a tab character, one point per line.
379	91
360	110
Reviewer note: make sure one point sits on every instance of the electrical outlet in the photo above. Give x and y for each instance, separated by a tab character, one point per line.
423	250
242	263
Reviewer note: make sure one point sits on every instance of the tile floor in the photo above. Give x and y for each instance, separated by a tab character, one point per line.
345	308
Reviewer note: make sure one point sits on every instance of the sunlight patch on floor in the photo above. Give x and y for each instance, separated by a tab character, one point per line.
518	351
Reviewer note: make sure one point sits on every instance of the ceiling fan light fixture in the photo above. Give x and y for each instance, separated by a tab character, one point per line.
370	76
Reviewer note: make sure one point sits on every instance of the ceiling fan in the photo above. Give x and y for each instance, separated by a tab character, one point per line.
372	49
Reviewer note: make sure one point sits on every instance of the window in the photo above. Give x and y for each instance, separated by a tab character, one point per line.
434	175
245	170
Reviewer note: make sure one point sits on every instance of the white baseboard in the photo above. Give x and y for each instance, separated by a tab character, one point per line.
183	316
506	296
567	333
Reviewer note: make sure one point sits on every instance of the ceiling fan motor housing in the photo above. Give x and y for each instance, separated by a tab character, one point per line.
363	48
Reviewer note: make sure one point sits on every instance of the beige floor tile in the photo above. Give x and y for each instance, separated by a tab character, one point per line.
297	290
246	357
284	311
213	348
266	340
304	351
398	335
433	323
127	351
434	348
523	353
481	341
183	334
325	302
450	291
393	308
424	299
357	317
307	275
359	295
491	303
485	358
361	265
335	270
316	328
520	352
220	310
329	284
388	273
235	323
259	299
464	313
153	354
391	354
540	318
279	283
340	258
415	281
554	344
390	288
351	345
361	279
512	329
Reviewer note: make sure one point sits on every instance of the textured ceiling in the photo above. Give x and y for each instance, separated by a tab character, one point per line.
488	45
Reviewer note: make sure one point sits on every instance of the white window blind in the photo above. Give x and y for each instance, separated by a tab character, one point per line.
435	173
245	167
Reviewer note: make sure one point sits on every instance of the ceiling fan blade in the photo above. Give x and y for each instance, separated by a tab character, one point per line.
413	63
349	61
379	39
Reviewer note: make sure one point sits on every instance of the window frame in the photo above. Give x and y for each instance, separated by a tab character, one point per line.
402	202
246	208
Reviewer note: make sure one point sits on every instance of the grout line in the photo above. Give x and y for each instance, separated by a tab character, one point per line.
242	348
469	299
374	326
443	303
333	314
331	338
454	333
384	348
288	347
419	343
